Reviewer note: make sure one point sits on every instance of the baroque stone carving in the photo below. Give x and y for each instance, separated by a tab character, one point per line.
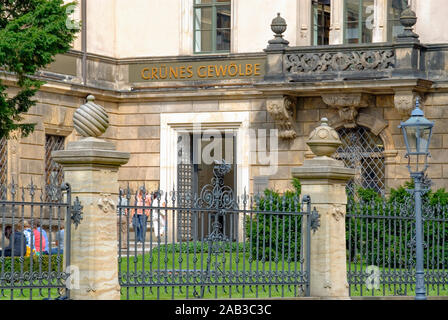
106	204
337	212
348	105
404	102
373	60
283	110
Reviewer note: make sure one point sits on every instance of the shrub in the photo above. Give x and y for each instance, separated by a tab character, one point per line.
39	263
271	235
387	241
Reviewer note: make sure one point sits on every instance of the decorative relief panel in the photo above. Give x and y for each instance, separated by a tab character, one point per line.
374	60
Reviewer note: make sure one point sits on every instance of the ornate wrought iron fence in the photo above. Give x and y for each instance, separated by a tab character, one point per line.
33	263
3	165
381	248
248	246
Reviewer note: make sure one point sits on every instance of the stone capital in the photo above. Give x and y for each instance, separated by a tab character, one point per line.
90	152
348	105
283	111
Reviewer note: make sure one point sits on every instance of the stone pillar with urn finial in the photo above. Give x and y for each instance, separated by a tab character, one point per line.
324	179
91	168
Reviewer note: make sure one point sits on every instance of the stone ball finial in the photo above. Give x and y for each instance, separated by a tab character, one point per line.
324	140
278	25
91	119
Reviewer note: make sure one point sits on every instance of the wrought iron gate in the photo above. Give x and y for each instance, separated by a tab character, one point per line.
35	256
245	246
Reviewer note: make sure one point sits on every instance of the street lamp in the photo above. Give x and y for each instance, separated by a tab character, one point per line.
417	131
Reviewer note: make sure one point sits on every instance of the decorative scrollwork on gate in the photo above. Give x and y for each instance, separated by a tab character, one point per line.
216	195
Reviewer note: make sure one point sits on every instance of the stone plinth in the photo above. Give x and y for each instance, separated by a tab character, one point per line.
91	168
324	180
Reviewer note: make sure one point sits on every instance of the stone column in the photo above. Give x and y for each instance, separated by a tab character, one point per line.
324	180
91	168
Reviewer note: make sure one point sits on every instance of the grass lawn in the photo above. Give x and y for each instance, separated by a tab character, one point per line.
161	264
166	262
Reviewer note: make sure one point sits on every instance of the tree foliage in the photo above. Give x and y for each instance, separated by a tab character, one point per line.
32	33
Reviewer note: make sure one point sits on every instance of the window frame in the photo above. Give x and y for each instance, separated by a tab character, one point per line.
360	23
315	25
214	4
50	166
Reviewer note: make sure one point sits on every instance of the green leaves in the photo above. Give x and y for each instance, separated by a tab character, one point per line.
32	33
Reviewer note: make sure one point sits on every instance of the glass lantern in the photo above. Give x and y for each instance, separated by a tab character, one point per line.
417	131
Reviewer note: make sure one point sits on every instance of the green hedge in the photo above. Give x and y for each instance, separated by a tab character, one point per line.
377	241
39	263
273	236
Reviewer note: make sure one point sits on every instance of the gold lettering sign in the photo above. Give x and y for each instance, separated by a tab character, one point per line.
197	70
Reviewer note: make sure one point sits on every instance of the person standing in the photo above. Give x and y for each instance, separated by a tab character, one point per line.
122	221
44	234
39	240
27	232
17	243
140	216
60	234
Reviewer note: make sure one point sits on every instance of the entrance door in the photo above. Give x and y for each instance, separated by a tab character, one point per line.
197	154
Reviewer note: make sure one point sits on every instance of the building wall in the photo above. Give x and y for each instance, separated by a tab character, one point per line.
141	28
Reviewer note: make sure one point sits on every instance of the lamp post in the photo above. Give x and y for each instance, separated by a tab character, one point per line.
417	131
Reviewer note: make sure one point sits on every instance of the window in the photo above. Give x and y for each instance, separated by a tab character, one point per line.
211	26
363	151
321	22
394	10
54	175
358	21
3	167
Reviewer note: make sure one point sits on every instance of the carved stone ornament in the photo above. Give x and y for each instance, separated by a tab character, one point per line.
404	102
348	105
371	60
106	204
91	119
324	140
283	110
337	212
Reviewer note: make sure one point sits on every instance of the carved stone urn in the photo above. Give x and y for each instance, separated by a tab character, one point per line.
324	140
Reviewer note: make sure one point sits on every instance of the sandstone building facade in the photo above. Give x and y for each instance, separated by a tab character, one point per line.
168	72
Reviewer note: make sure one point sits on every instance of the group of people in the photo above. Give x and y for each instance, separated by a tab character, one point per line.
140	215
30	239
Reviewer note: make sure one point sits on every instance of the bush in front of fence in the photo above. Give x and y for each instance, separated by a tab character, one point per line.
271	235
381	231
37	263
